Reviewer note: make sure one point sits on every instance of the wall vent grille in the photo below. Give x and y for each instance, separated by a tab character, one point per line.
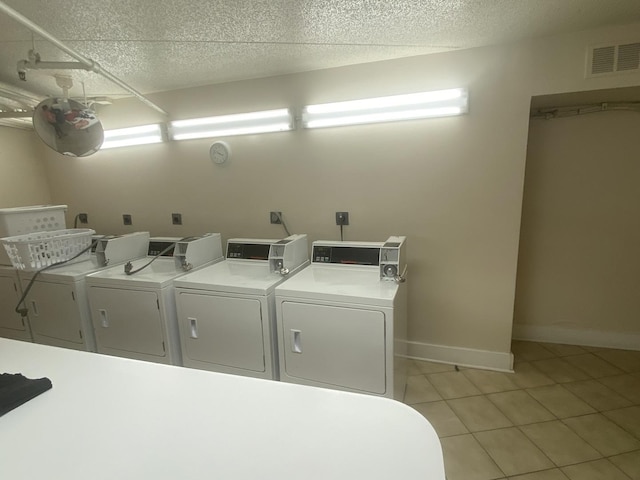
629	57
613	59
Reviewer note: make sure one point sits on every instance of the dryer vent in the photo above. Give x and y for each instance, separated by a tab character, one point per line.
613	59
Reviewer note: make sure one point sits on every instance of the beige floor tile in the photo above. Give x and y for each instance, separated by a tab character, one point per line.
627	360
419	390
465	459
560	443
560	401
553	474
562	350
478	413
452	385
597	395
627	418
603	434
527	376
442	418
433	367
559	370
513	451
528	351
593	365
629	463
596	470
490	382
520	407
412	369
626	385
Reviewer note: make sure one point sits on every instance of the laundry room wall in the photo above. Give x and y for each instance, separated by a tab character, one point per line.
23	175
579	258
452	185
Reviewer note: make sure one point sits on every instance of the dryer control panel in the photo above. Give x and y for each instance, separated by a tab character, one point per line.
284	256
247	249
347	254
289	254
111	250
193	252
392	259
388	256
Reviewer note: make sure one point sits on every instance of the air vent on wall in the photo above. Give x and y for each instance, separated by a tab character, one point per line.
613	59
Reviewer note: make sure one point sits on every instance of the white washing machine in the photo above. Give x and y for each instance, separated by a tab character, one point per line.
342	321
12	324
20	221
226	312
134	315
58	309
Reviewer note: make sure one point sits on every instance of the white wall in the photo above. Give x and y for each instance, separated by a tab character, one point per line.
23	179
452	185
579	258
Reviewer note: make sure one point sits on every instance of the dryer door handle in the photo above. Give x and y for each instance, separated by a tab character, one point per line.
296	341
34	307
193	327
104	320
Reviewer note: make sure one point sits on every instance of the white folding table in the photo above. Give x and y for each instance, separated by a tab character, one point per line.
116	418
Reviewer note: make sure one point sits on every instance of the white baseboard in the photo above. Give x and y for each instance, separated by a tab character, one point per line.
574	336
464	357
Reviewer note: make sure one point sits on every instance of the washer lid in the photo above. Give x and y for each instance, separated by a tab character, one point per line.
337	283
67	273
161	273
233	277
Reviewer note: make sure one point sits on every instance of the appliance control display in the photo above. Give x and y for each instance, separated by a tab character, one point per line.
249	251
346	255
156	247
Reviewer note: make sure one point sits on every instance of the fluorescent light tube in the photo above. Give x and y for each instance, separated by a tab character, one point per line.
236	124
125	137
412	106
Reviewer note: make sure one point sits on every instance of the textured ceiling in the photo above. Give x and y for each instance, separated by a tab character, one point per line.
156	45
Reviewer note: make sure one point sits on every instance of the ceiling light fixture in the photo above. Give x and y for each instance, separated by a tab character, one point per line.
413	106
237	124
125	137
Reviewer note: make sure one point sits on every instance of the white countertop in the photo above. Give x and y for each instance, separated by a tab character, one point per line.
345	283
115	418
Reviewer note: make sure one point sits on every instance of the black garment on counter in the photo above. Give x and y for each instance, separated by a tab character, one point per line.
16	389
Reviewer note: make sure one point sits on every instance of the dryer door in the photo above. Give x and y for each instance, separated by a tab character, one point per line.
127	320
9	298
54	312
222	330
337	346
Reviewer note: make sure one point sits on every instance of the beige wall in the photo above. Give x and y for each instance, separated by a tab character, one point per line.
452	185
23	179
579	256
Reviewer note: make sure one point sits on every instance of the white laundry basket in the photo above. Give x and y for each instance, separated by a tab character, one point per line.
23	220
34	251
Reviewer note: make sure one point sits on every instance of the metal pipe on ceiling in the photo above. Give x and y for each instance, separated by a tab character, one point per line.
91	65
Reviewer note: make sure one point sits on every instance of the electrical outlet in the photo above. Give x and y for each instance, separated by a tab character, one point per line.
276	218
126	219
342	218
83	218
176	218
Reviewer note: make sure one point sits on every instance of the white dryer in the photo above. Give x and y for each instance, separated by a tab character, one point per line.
342	321
12	324
226	312
134	314
58	309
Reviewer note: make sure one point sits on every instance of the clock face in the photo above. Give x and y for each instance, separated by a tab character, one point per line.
219	152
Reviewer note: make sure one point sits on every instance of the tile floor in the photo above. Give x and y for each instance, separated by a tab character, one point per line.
567	413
